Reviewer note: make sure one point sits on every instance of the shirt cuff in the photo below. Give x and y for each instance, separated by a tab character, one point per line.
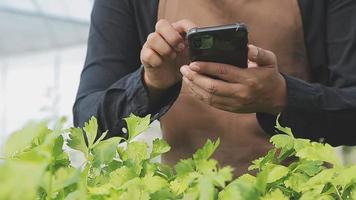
139	95
301	95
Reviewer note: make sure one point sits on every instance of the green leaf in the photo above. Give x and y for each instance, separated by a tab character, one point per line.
191	194
206	167
184	167
320	180
181	184
276	194
137	125
101	190
101	138
223	176
122	175
231	192
275	172
122	153
28	137
159	147
282	141
241	188
91	131
261	162
135	190
345	176
261	181
309	167
300	144
206	188
105	151
285	143
65	177
285	130
49	152
154	183
76	141
178	186
20	180
165	171
137	151
296	181
35	156
315	194
164	194
207	151
319	152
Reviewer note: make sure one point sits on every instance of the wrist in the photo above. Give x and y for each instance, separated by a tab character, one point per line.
280	101
153	88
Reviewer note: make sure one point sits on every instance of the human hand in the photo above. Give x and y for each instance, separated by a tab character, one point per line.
164	53
259	88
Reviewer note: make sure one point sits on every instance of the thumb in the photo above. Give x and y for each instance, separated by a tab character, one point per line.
261	57
183	26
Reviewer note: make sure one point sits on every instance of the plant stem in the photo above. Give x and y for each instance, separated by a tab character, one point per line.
49	194
337	192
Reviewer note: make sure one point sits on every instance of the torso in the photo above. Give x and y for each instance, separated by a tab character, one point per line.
274	25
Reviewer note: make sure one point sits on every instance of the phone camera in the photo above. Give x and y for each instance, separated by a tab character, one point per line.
197	42
203	42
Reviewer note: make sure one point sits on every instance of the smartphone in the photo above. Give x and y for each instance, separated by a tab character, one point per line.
222	44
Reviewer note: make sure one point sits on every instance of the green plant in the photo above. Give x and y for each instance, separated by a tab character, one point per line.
35	166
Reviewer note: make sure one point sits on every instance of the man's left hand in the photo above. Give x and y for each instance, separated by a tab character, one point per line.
259	88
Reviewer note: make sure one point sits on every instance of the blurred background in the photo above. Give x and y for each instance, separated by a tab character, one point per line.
42	52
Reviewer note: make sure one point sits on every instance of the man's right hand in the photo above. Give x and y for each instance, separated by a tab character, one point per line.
164	52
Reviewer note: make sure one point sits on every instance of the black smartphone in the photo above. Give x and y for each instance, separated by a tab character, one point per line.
222	44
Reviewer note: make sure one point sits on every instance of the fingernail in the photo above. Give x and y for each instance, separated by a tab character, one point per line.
181	47
254	51
184	70
194	67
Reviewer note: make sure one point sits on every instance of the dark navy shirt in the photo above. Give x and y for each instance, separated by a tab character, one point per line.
111	85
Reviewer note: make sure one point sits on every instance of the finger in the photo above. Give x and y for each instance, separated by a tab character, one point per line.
183	26
261	57
237	109
170	34
210	85
159	45
223	103
228	73
196	92
150	58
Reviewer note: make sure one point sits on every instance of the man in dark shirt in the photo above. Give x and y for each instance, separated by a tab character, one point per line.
321	98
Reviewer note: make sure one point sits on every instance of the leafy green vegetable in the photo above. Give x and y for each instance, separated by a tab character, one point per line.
105	151
159	147
77	141
137	125
207	151
91	130
36	165
32	134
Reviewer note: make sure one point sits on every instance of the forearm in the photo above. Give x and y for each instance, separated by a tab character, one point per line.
127	95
